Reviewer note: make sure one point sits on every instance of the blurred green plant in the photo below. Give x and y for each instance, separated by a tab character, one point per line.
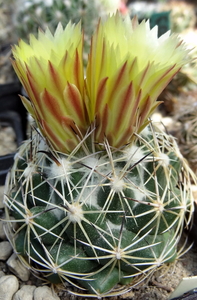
33	14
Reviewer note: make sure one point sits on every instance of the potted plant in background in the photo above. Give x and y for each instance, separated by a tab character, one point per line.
12	113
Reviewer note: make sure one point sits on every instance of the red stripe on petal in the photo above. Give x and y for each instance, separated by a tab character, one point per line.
51	104
118	81
55	78
145	110
40	67
137	101
22	77
143	75
78	71
71	131
133	116
101	124
36	99
125	103
64	59
74	101
125	138
33	85
166	73
124	116
156	86
121	73
100	95
69	126
64	143
52	136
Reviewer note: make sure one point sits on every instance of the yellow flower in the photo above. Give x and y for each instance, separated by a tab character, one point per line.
128	67
51	71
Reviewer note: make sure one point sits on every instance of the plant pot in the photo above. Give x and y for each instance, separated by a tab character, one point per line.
12	110
6	161
13	114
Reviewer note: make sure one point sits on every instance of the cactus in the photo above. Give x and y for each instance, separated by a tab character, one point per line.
98	205
31	15
118	212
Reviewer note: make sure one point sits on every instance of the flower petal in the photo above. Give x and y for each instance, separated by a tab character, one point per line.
128	68
51	71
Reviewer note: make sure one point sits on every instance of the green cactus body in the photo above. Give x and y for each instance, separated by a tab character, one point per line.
106	215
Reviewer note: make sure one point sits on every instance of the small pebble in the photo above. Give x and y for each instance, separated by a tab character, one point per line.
18	268
5	250
25	293
2	274
8	287
44	293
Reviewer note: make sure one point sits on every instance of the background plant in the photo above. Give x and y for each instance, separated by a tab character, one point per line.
33	14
